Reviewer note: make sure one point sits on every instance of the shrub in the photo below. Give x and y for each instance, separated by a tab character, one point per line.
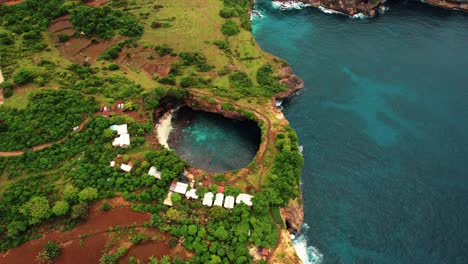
50	252
230	28
169	80
88	194
7	88
113	67
240	80
105	206
61	208
163	49
23	76
63	37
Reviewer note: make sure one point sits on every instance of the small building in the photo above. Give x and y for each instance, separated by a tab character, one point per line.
208	199
219	199
126	167
192	194
168	200
121	129
154	172
263	251
178	187
112	164
220	189
123	140
229	202
244	198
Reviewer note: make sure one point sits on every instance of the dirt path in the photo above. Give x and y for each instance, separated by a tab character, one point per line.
42	146
269	134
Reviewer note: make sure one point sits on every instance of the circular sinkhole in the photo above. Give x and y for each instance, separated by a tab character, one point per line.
212	142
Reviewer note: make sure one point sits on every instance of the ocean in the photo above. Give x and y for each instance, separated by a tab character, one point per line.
383	119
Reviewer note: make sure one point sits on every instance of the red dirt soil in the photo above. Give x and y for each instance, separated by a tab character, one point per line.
96	2
139	59
98	222
154	248
13	2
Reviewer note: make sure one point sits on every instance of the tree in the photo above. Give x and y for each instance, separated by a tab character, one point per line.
88	194
61	208
79	211
176	198
70	194
192	230
221	233
50	252
37	209
230	28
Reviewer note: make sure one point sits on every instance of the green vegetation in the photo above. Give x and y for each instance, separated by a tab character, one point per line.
230	28
50	116
104	22
213	57
49	253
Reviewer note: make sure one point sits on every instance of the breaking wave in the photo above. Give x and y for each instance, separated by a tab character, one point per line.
307	253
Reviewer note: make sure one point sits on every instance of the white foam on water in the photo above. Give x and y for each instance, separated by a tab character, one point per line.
360	16
307	253
289	5
329	11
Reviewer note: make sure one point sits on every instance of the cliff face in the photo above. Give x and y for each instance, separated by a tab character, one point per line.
292	82
450	4
350	7
370	7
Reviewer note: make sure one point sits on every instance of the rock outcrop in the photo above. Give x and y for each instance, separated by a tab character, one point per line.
293	216
292	82
451	4
371	7
350	7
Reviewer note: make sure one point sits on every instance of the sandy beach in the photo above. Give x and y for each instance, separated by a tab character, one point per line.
164	128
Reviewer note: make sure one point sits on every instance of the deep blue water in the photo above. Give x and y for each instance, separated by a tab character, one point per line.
383	120
213	143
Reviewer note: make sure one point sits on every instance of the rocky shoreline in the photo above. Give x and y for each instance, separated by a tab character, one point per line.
366	8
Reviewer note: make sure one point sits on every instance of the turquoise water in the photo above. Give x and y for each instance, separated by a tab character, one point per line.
213	143
383	120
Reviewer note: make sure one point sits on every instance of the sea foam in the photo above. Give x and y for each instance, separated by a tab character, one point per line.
307	253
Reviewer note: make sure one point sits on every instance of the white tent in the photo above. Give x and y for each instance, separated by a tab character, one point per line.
191	194
181	187
229	202
208	199
121	129
219	199
245	198
154	172
126	167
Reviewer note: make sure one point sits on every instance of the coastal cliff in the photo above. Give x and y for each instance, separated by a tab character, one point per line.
452	4
370	8
349	7
292	82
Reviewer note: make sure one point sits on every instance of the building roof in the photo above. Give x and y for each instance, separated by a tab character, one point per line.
154	172
245	198
168	200
221	189
229	202
121	129
219	199
208	199
112	163
178	187
126	167
265	252
121	141
191	194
